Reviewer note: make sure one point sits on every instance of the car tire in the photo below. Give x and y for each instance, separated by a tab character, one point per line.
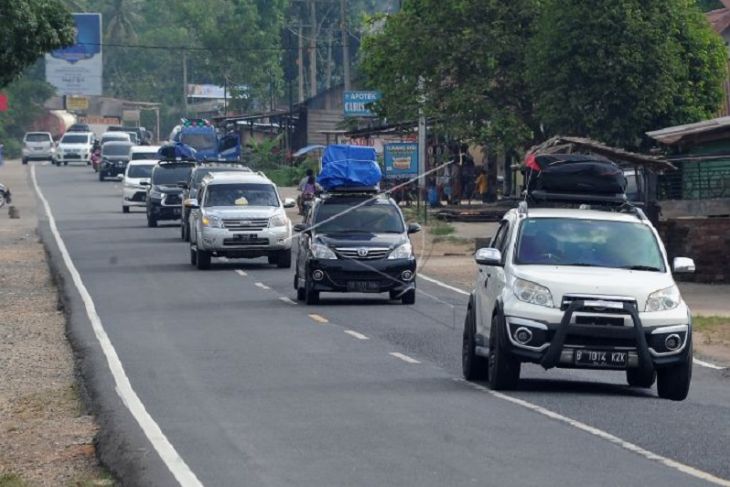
409	297
473	367
101	176
65	163
673	381
183	231
311	296
639	378
283	259
125	209
301	294
202	258
25	161
193	256
151	221
504	369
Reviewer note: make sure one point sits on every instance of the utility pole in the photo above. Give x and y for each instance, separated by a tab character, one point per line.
300	62
225	96
185	83
313	49
421	146
328	74
345	44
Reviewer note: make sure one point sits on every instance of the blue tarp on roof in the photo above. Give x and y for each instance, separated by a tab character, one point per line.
176	150
349	166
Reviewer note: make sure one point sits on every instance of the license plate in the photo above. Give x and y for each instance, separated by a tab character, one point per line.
601	359
362	286
72	156
246	236
176	211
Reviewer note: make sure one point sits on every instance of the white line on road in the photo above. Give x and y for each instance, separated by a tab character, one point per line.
129	397
668	462
241	273
404	358
262	285
465	293
357	335
287	300
319	319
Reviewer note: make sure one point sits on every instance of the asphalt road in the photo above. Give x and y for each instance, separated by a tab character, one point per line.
250	389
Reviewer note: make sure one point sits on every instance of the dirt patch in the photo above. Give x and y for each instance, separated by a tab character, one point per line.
46	436
712	337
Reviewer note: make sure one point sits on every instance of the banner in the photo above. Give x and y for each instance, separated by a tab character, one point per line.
356	103
401	160
77	70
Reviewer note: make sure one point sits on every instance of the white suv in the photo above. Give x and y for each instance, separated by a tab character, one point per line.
579	288
134	190
74	147
239	215
37	146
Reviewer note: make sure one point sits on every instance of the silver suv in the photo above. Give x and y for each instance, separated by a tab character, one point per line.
239	215
37	146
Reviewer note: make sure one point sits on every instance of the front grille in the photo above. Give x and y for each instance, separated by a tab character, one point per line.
362	253
172	200
599	320
248	225
341	278
603	304
234	242
598	342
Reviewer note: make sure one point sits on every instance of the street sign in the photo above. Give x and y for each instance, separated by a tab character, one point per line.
401	159
77	70
356	103
77	103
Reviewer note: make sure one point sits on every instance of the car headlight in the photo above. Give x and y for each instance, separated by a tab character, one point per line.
663	300
532	293
320	251
278	221
154	193
212	221
404	251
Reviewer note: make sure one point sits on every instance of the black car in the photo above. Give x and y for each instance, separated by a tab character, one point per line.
79	127
191	185
355	242
164	194
114	159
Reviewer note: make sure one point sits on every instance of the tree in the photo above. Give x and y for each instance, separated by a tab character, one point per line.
31	28
614	69
707	5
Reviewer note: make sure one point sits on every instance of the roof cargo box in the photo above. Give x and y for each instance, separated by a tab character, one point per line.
349	166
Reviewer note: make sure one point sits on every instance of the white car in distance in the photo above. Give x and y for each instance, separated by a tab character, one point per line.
74	147
133	192
144	152
37	146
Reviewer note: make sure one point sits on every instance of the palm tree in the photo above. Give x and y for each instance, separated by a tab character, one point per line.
121	17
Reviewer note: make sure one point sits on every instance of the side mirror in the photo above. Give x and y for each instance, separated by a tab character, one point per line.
491	257
182	185
191	203
290	203
683	265
300	227
144	183
413	228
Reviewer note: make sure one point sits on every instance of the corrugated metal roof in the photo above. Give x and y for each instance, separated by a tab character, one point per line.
676	134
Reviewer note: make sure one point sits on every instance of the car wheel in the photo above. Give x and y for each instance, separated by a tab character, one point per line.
473	366
183	231
283	259
503	370
203	259
101	176
193	256
673	382
640	378
25	161
151	221
301	295
125	209
310	295
409	297
65	163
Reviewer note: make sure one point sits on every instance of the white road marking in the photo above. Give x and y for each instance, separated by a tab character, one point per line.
357	335
241	273
262	285
404	358
287	300
319	318
699	362
668	462
129	397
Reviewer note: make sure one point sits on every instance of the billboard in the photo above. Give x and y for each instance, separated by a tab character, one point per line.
77	70
356	103
401	159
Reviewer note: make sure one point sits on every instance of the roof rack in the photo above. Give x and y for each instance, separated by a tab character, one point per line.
350	190
609	202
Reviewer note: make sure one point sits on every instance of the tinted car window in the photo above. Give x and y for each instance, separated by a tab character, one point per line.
140	171
588	243
241	194
375	217
199	141
75	139
116	150
170	174
138	156
38	138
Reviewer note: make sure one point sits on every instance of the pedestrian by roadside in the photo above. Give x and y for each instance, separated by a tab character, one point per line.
468	173
482	184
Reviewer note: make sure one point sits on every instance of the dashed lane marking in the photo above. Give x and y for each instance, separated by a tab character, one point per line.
319	318
708	364
287	300
404	358
171	458
241	273
262	285
357	335
668	462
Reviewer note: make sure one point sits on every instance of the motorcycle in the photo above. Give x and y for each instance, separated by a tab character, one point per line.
96	159
307	200
5	197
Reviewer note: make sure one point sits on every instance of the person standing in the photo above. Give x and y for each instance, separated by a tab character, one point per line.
468	173
482	184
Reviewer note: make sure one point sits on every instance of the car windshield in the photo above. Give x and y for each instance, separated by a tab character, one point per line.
75	139
241	194
37	138
115	150
588	243
377	216
199	141
137	156
169	174
140	171
114	138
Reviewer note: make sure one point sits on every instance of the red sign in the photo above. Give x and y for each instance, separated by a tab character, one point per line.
3	102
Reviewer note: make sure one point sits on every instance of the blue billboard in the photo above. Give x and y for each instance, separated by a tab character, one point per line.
77	69
401	159
357	103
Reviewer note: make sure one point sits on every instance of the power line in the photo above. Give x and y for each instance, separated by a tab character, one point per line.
199	48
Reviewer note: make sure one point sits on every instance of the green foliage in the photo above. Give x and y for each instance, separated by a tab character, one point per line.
707	5
25	99
31	28
613	69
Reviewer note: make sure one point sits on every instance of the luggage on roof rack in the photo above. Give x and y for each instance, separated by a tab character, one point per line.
573	173
348	168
